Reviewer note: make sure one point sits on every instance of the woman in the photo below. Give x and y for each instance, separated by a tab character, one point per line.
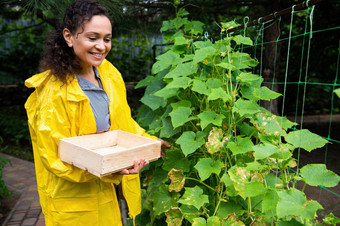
80	93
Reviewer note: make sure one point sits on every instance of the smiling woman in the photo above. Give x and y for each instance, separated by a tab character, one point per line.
78	93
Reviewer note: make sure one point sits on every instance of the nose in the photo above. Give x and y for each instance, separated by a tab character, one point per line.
100	45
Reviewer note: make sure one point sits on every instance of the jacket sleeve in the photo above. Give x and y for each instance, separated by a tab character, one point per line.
48	123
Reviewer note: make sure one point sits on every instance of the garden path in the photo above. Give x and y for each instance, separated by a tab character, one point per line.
19	176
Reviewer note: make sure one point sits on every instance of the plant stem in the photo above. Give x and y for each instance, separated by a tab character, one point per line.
194	179
304	186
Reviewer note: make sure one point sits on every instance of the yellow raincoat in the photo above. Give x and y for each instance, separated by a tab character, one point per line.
69	195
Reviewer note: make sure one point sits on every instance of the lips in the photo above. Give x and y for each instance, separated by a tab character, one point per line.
97	55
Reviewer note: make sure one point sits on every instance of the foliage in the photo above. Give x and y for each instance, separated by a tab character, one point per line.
3	188
230	159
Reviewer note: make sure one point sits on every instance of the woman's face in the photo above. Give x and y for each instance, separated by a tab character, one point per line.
92	43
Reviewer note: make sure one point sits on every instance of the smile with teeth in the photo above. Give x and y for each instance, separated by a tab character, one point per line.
97	54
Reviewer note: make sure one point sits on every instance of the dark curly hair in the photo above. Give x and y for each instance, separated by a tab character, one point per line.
58	57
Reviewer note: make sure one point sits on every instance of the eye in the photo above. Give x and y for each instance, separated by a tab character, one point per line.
92	38
107	40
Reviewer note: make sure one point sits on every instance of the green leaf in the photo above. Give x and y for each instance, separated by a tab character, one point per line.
182	69
239	39
167	129
213	83
229	207
215	140
177	180
180	116
195	27
189	212
179	82
199	222
264	93
182	12
264	150
182	103
232	220
190	141
180	40
219	93
269	200
208	117
242	60
206	167
305	139
293	202
145	81
166	92
213	221
250	78
285	123
318	175
167	25
174	159
203	53
229	25
163	200
164	61
174	216
226	180
194	196
337	92
203	44
245	107
331	219
227	66
152	101
255	166
200	87
241	145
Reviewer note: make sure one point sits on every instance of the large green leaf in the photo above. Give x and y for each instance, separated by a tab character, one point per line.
199	221
219	93
181	40
241	145
226	65
239	39
208	117
264	150
166	92
264	93
337	92
206	167
181	103
305	139
194	27
182	70
203	53
213	83
293	202
250	78
167	129
163	200
318	175
200	87
190	141
194	196
174	159
229	207
245	107
180	116
189	212
179	82
152	101
242	60
269	200
213	221
285	123
164	61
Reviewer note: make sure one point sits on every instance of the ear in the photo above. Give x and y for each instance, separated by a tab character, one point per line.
68	37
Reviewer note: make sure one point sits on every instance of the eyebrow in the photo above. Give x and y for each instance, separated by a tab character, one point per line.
96	33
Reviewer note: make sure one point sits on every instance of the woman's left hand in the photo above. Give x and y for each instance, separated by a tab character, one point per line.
164	146
137	166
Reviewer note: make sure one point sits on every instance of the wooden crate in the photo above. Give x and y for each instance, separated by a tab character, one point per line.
109	152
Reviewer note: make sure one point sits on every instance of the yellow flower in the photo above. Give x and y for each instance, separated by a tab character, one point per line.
205	62
188	46
223	54
231	61
222	29
198	124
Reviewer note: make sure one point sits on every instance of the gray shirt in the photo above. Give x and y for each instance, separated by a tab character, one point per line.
99	101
